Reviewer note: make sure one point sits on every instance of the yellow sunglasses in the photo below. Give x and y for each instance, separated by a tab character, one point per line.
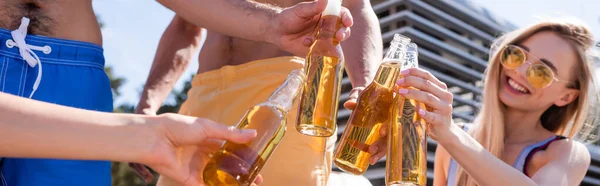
539	75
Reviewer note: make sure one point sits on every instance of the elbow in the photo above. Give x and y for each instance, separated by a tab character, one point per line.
186	26
186	30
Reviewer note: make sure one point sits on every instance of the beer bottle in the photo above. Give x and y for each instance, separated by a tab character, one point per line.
407	140
372	111
317	112
240	164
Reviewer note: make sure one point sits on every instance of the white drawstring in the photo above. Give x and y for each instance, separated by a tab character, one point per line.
26	50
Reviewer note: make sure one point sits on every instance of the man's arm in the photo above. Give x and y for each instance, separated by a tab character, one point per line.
364	49
291	29
227	16
178	44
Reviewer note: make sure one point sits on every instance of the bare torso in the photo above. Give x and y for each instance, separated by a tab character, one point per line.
220	50
65	19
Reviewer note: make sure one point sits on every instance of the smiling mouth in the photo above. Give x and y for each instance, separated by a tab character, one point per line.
516	87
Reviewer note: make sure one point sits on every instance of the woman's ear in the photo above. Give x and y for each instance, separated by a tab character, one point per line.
567	98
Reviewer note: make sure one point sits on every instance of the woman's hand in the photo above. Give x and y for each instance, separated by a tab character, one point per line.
434	94
180	146
426	89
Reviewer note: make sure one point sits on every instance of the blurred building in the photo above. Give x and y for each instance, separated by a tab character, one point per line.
454	37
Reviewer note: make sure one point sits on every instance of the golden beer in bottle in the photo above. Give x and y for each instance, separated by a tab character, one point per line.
372	111
239	164
318	109
407	140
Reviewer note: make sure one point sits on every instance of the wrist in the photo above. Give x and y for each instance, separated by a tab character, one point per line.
143	137
272	32
449	138
361	81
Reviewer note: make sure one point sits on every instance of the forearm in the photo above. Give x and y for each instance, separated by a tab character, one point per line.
41	130
481	165
176	48
363	49
238	18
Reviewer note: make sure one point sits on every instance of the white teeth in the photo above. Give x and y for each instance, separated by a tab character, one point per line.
516	86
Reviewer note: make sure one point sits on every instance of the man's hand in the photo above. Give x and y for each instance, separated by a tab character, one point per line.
180	147
350	104
293	29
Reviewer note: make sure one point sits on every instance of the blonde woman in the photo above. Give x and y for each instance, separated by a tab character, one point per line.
535	102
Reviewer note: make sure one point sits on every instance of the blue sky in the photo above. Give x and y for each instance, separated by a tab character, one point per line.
133	28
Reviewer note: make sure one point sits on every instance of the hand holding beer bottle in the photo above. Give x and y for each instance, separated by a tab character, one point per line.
318	109
406	138
293	28
239	164
372	112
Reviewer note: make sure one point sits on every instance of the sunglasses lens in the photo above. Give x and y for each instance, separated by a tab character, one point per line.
539	76
512	57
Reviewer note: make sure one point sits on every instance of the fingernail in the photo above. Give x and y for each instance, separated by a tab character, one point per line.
402	91
422	112
405	71
400	81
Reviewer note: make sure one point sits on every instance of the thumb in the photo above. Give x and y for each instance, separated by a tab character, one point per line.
310	9
212	130
352	98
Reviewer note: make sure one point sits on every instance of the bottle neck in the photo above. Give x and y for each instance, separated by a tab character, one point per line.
397	48
387	74
286	93
328	26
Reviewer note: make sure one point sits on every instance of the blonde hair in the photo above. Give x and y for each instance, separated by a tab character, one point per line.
488	127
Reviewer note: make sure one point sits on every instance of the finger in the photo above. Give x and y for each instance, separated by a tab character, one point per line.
350	104
143	172
343	34
309	10
210	129
426	98
425	75
378	150
430	117
384	130
425	86
352	98
212	145
347	19
258	180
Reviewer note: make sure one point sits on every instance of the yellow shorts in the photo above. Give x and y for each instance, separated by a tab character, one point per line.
224	95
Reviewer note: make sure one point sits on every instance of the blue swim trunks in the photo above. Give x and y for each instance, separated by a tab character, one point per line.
71	74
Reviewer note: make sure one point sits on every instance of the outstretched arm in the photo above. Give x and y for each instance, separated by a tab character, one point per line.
567	161
291	28
363	50
35	129
178	44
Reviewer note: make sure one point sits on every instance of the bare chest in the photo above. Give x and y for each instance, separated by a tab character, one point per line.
42	14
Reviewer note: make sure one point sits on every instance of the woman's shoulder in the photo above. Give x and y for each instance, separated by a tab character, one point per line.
571	151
